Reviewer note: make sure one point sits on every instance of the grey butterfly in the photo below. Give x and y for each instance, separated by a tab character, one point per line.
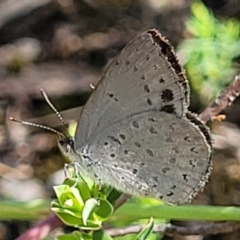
135	132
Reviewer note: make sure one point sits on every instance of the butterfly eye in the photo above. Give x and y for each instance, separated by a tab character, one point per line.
61	142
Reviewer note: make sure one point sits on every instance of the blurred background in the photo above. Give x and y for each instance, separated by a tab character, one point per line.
63	46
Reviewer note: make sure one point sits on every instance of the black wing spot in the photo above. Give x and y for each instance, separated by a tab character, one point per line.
111	95
149	102
152	119
185	177
168	109
135	124
122	136
165	170
153	130
114	139
134	171
192	163
193	149
137	144
146	88
167	95
172	160
161	80
155	178
169	194
160	196
187	138
169	139
150	152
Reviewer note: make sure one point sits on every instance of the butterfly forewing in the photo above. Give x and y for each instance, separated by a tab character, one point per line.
138	79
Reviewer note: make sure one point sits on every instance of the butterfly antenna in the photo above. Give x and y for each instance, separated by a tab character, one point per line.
37	125
53	108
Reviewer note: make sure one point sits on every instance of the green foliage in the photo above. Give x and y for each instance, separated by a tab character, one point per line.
133	211
210	51
76	206
75	236
80	204
146	231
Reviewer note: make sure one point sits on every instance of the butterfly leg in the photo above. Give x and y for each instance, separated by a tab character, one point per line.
99	180
69	174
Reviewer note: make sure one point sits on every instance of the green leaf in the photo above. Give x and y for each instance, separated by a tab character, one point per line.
101	235
146	231
82	235
112	194
76	207
30	210
69	237
69	197
104	210
82	187
75	236
78	222
89	207
60	191
66	211
130	211
69	219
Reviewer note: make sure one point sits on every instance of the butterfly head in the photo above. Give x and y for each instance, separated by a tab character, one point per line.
66	145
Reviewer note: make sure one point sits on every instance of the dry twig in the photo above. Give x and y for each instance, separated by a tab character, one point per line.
225	99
